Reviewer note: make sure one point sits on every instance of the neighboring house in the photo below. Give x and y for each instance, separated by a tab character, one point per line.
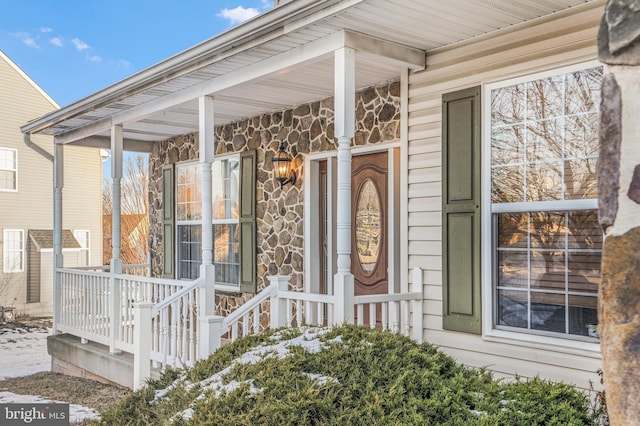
26	213
445	157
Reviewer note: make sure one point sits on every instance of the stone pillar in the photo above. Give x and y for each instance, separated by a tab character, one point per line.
344	104
619	205
58	184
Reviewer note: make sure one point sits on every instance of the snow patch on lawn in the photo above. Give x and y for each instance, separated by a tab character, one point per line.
23	352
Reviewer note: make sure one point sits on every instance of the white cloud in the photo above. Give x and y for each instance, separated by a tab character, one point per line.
45	29
56	41
80	45
95	58
26	39
238	14
124	63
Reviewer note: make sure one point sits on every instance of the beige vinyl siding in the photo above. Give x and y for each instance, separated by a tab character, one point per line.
566	38
31	207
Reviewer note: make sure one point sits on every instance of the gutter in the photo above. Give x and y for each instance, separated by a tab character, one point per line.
27	140
272	21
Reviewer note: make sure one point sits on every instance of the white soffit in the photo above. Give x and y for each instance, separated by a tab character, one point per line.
420	25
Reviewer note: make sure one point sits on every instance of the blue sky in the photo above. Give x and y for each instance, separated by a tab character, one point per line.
73	48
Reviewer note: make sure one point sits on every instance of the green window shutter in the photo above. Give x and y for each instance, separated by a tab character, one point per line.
461	211
168	221
248	252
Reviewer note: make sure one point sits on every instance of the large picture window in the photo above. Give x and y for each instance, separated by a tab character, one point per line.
546	238
224	218
8	169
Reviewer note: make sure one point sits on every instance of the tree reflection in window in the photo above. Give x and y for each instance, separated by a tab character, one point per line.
368	226
544	148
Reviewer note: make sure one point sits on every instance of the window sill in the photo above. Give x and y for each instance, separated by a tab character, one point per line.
228	289
555	344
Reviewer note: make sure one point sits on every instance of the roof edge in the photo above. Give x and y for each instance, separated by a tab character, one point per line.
268	22
29	80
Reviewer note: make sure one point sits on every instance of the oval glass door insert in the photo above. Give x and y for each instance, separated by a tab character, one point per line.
368	226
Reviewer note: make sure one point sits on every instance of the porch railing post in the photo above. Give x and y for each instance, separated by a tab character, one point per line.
210	335
58	260
278	306
416	325
344	103
142	343
115	302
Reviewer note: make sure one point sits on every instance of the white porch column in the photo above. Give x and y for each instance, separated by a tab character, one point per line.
344	101
116	177
116	261
58	184
206	142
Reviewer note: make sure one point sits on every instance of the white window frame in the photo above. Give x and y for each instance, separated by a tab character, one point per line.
6	250
84	236
15	170
489	330
222	287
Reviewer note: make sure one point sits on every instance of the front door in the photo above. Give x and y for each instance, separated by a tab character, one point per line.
369	195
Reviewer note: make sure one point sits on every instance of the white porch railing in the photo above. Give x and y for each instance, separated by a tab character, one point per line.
141	269
165	322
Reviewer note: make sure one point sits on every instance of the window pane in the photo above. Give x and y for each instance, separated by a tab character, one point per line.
548	230
583	90
507	184
544	140
545	98
507	105
581	136
580	179
189	202
512	308
7	180
548	312
225	189
583	310
507	145
584	230
513	230
547	270
544	181
512	269
189	251
226	253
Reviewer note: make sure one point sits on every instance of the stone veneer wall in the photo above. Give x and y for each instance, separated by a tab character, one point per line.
305	129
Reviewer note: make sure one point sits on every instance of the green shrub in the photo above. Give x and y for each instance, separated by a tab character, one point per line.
360	377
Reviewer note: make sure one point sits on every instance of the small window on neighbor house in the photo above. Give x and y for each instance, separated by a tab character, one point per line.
82	236
8	169
13	250
547	241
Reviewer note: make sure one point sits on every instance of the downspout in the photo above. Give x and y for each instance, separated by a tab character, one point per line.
36	148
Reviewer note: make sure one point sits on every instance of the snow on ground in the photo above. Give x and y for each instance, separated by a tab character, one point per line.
24	352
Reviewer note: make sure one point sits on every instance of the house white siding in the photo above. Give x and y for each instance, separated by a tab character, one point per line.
544	44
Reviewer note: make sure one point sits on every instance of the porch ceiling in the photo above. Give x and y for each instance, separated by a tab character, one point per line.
281	59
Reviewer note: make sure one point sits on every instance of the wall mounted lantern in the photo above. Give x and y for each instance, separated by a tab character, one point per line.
282	168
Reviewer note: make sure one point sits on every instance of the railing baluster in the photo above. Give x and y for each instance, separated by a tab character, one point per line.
405	316
289	312
360	314
256	319
299	306
372	315
385	318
